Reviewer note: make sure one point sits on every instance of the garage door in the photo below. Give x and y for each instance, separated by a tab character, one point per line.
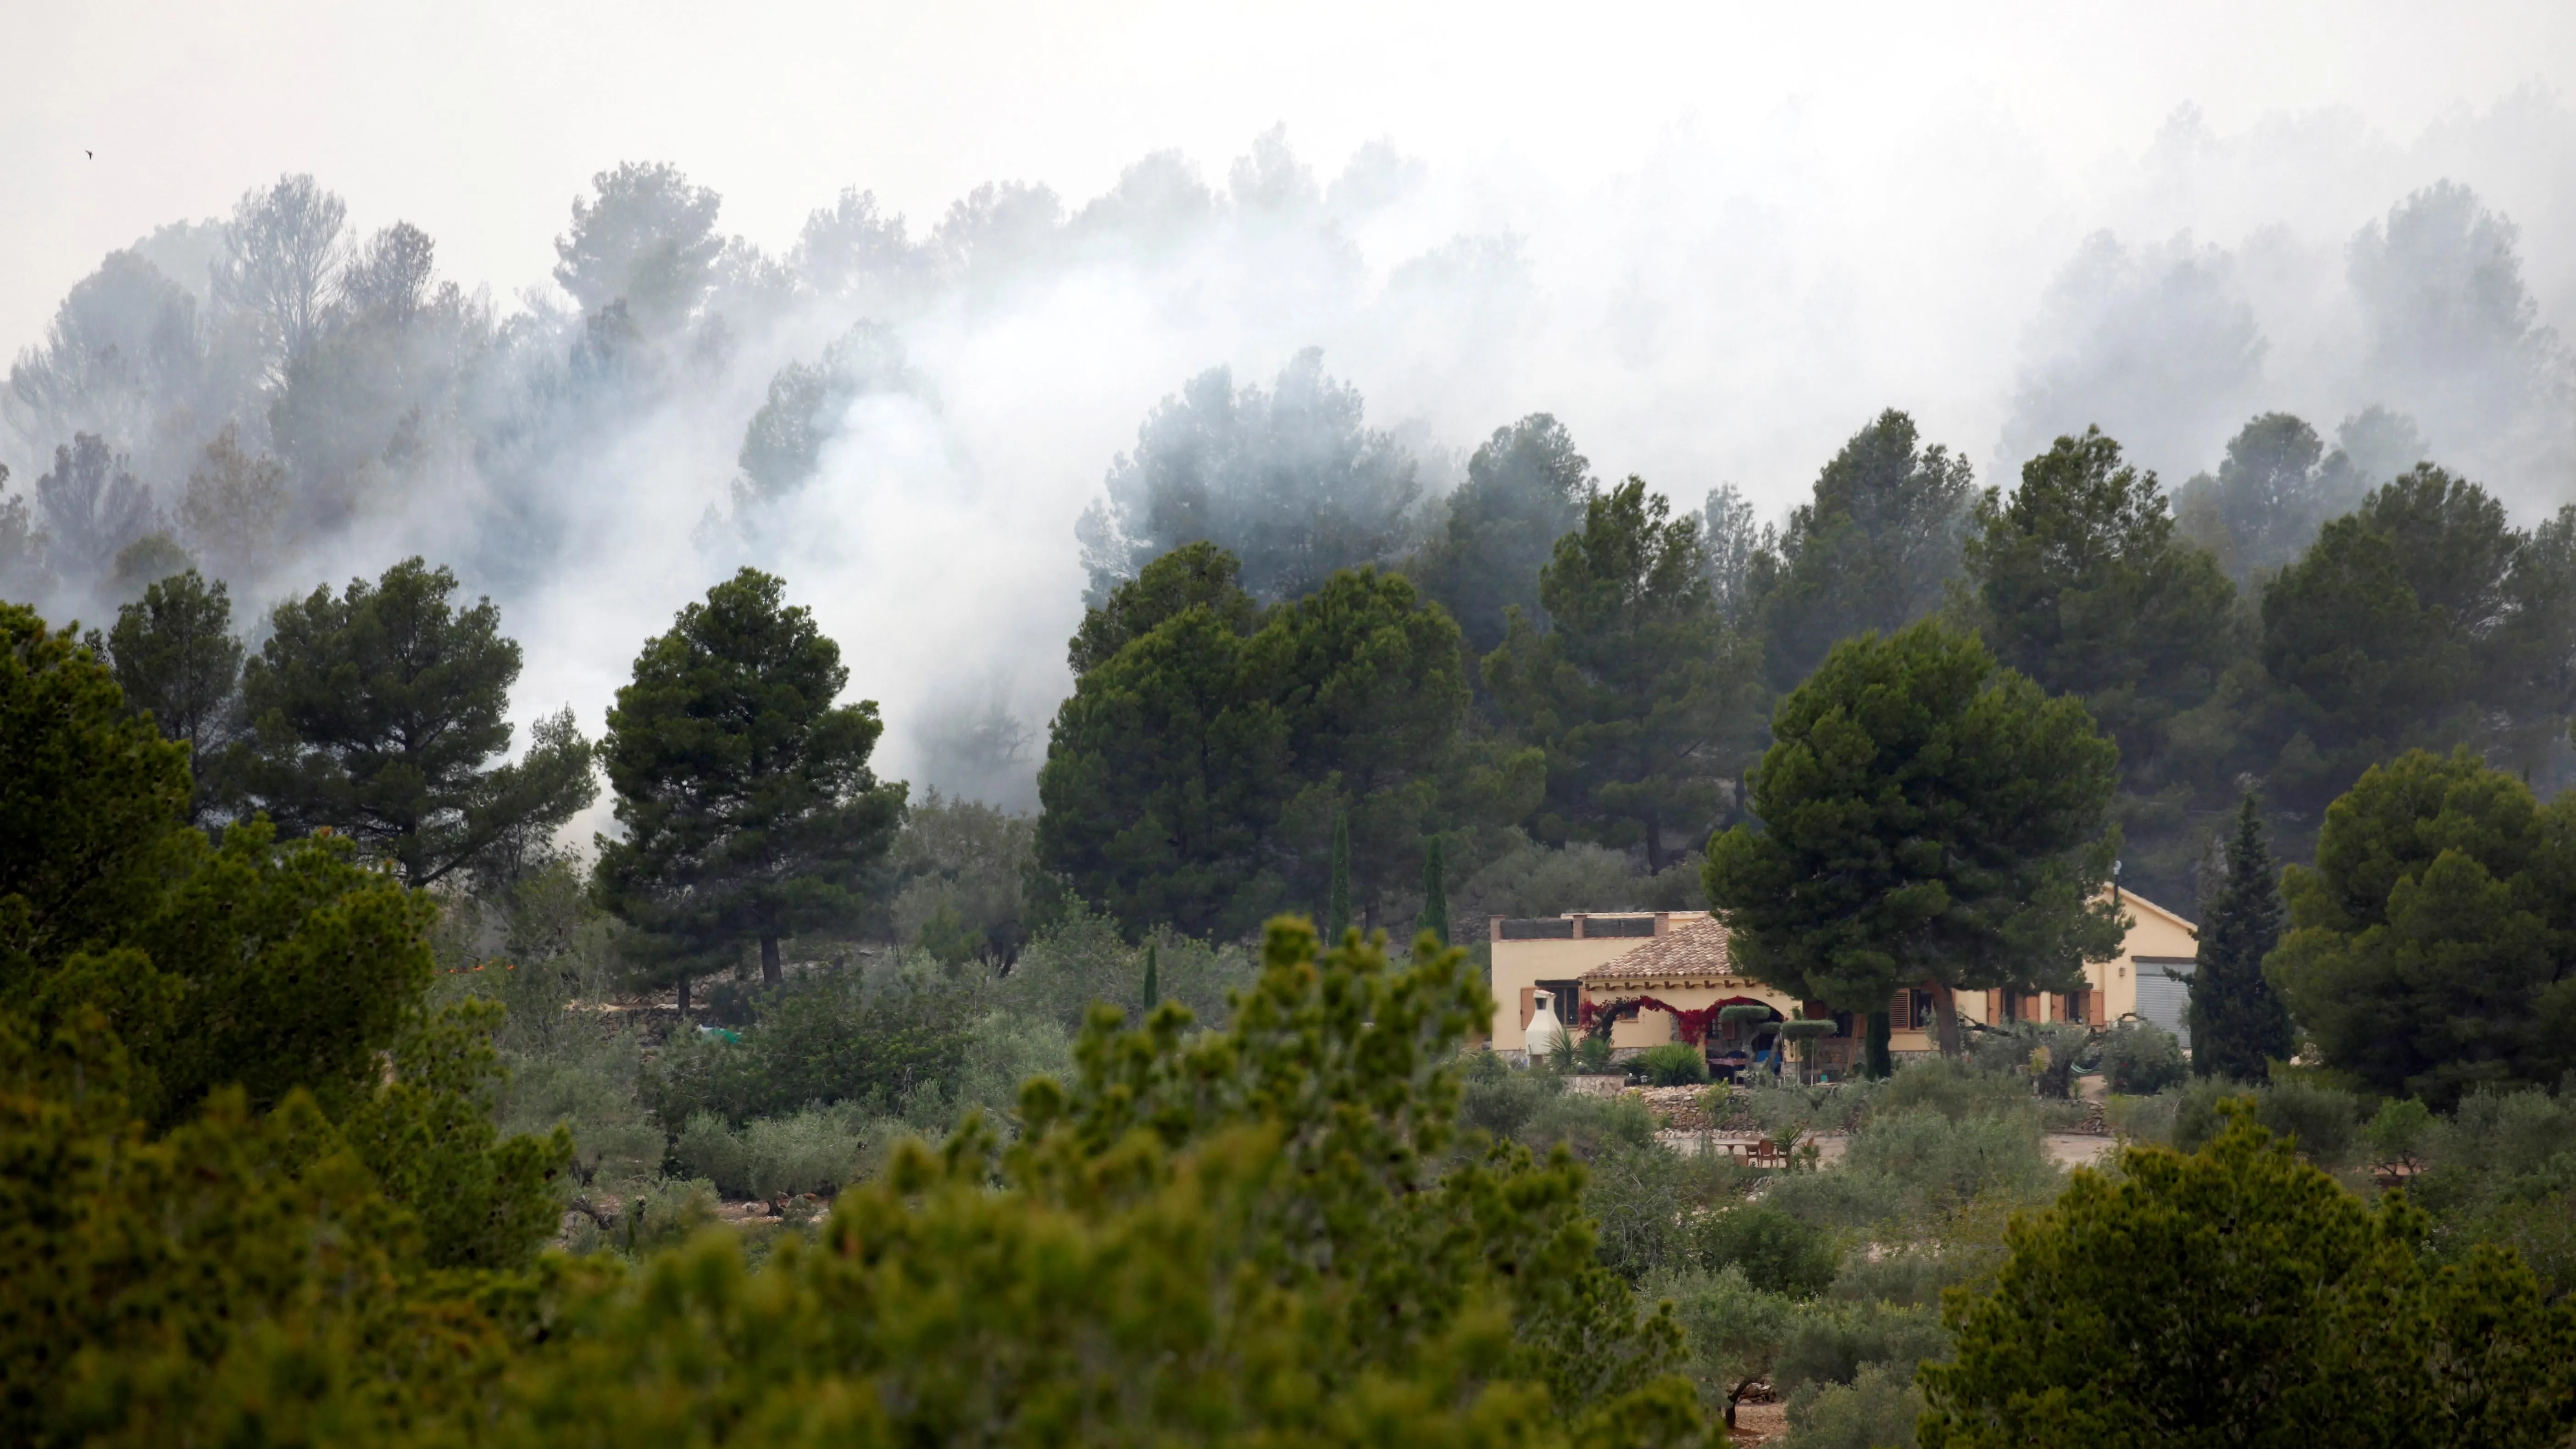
2164	994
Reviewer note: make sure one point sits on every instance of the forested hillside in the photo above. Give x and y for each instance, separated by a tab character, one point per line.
498	945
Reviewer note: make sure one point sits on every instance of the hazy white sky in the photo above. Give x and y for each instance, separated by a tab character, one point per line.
481	120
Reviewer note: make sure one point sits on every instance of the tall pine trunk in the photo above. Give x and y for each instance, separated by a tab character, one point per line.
1945	1017
1880	1064
771	973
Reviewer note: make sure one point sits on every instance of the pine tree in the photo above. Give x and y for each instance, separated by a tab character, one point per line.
750	808
174	655
1337	905
1153	982
383	714
1435	892
2238	1026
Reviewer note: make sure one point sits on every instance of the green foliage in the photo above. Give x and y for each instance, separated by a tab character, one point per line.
174	655
2322	1122
1163	767
1633	689
814	1150
1878	1409
1526	488
2044	1054
1935	1170
1435	892
1954	1089
1198	775
2502	1170
1291	481
271	968
1337	894
241	1277
1776	1252
1834	1342
2428	953
2238	1025
966	865
1539	880
1496	1100
2276	488
1254	1234
88	798
1673	1065
2081	583
1083	959
1870	552
427	1132
2397	1133
750	810
1735	1330
825	1037
1647	1202
377	715
2424	619
2140	1059
1195	575
1927	815
2238	1296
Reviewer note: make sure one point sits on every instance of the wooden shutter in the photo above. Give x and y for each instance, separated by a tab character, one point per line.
1529	1005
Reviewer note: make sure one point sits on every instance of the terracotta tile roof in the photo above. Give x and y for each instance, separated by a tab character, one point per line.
1694	951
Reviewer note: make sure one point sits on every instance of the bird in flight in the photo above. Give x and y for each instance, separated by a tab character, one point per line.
93	155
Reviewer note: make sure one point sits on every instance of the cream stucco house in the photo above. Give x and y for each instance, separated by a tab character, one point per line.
1679	960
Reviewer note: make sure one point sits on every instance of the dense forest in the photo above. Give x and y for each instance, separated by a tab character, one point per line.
389	1055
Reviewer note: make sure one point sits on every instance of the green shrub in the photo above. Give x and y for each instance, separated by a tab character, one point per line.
2323	1121
2398	1134
2140	1059
815	1150
2502	1169
1776	1252
1736	1330
1876	1410
2143	1119
1913	1277
1956	1090
1083	959
1937	1167
2042	1055
2197	1120
2240	1296
1589	1125
1674	1064
1004	1049
823	1038
1831	1341
1787	1109
1498	1100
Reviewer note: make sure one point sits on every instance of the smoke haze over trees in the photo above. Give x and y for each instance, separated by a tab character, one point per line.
979	420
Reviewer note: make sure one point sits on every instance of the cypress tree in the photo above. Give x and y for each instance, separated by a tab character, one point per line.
1880	1063
1337	905
1153	983
1435	892
2238	1026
